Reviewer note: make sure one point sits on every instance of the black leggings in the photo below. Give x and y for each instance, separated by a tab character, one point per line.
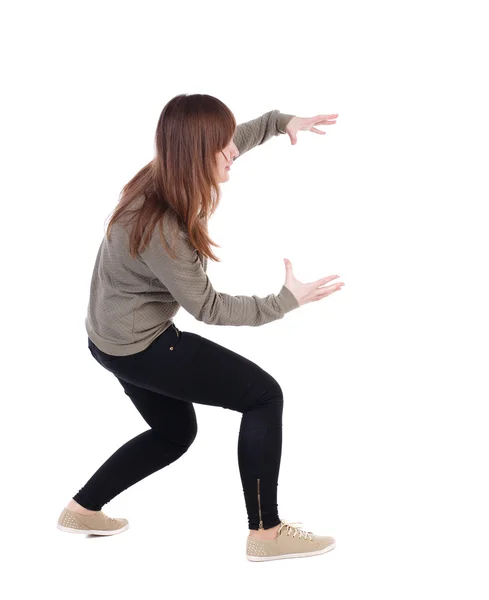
163	381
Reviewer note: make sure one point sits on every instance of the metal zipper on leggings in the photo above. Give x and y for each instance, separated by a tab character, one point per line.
260	526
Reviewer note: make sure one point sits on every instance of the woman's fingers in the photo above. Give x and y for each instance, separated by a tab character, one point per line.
331	289
324	280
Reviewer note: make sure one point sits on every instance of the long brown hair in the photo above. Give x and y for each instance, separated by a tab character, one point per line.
182	178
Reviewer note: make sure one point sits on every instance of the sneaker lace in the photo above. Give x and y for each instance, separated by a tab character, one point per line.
107	518
291	527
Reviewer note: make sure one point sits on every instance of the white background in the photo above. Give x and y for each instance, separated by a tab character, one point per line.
385	383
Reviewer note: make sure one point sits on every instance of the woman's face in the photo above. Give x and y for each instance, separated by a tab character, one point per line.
225	160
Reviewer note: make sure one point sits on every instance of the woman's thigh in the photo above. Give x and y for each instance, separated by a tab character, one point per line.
189	367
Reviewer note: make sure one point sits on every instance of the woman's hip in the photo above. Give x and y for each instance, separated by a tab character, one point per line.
191	367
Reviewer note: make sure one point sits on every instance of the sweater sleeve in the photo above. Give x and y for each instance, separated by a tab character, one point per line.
257	131
188	283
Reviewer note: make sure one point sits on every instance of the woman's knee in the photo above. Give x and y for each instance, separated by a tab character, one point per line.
187	436
180	432
269	392
191	434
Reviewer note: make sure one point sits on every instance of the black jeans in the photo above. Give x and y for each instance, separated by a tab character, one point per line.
176	370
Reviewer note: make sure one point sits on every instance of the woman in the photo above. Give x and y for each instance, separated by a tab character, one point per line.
153	260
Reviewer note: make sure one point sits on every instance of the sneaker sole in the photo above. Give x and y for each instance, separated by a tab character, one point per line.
296	555
94	531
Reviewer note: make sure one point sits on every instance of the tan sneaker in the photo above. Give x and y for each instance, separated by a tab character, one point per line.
291	542
98	524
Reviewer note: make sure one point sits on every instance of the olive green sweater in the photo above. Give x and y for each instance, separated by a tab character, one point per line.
133	301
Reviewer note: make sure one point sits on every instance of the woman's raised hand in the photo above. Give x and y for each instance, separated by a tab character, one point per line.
309	292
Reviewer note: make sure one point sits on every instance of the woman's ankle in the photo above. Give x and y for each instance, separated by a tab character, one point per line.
75	507
266	534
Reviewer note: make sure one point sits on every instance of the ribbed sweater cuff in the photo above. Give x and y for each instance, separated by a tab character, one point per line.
286	300
282	121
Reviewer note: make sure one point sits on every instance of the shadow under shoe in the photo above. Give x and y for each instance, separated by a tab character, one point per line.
98	524
291	542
